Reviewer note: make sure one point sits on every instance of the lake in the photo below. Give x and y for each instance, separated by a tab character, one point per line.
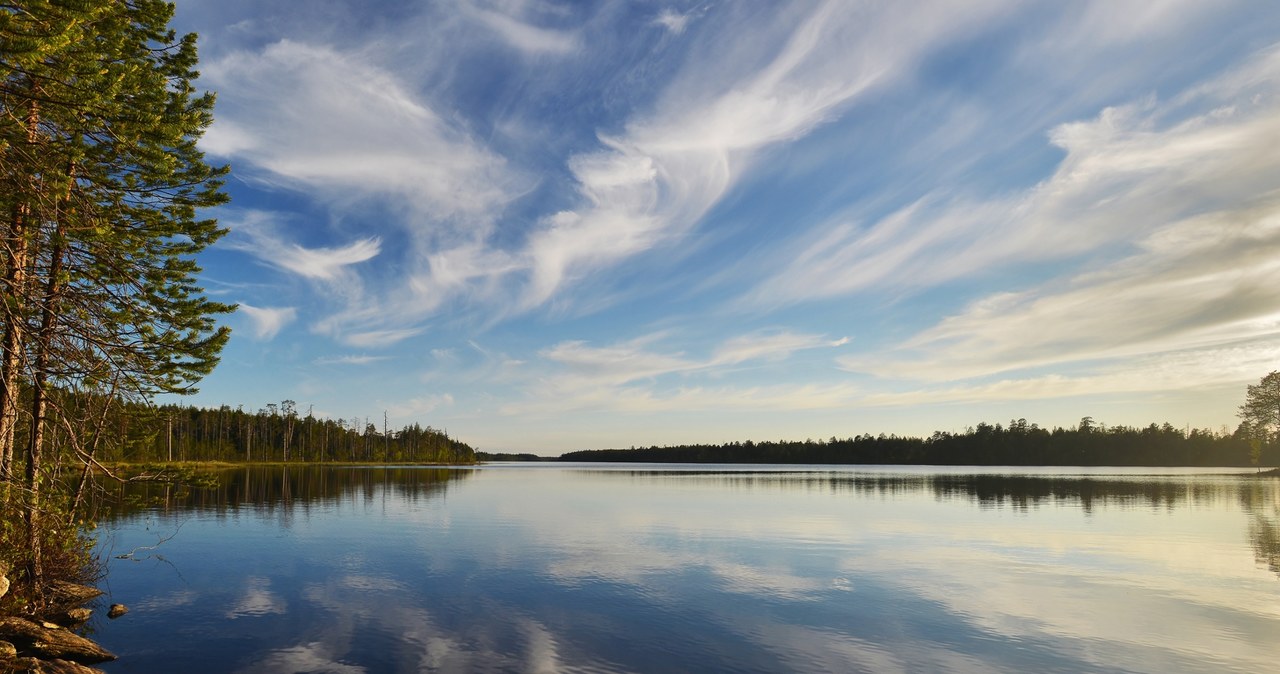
657	568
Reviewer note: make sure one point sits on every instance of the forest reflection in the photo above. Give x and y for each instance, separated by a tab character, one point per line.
1257	496
989	490
275	488
277	491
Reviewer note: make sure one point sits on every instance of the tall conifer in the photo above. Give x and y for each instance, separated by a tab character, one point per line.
102	184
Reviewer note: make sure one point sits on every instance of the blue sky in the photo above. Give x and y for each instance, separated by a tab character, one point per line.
547	226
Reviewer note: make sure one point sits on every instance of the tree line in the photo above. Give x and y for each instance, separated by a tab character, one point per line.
1018	443
139	433
279	433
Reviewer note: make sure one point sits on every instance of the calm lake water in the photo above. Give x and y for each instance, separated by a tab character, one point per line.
644	568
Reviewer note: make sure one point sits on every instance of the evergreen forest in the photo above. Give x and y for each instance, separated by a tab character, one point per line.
1016	444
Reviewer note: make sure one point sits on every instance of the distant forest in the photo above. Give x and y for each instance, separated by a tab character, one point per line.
135	432
1017	444
279	433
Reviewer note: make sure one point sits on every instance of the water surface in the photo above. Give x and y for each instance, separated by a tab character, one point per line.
625	568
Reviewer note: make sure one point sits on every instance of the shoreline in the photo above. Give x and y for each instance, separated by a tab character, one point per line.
47	640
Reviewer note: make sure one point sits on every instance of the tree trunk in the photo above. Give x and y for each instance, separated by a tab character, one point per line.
15	282
40	403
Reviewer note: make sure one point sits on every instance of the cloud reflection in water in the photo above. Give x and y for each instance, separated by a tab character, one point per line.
555	569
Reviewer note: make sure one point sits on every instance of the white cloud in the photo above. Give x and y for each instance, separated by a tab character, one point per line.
768	346
347	130
315	263
1191	370
257	600
633	360
651	400
341	126
626	377
268	321
524	36
259	233
372	338
312	657
673	21
651	184
1175	207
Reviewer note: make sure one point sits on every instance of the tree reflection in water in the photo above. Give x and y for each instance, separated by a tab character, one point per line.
280	490
1260	499
1259	495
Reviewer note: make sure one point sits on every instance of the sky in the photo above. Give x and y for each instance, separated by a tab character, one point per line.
546	226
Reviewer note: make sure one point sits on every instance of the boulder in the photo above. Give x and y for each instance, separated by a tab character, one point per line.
117	610
51	644
71	617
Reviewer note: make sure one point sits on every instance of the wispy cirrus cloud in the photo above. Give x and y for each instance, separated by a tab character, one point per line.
346	130
1188	370
362	359
267	322
705	398
991	199
512	24
635	375
652	183
324	263
1123	175
673	21
1189	188
645	187
378	338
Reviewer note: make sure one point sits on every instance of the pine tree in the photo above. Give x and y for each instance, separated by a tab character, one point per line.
102	185
1261	408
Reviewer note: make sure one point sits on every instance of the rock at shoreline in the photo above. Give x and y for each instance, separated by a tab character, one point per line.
66	595
72	617
117	610
34	666
51	644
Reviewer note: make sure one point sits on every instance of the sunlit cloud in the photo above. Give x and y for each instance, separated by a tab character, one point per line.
635	377
635	360
346	130
653	182
769	346
1196	197
1192	370
673	21
267	322
259	234
378	338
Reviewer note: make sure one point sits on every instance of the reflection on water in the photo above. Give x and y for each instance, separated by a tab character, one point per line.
576	568
271	488
994	490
